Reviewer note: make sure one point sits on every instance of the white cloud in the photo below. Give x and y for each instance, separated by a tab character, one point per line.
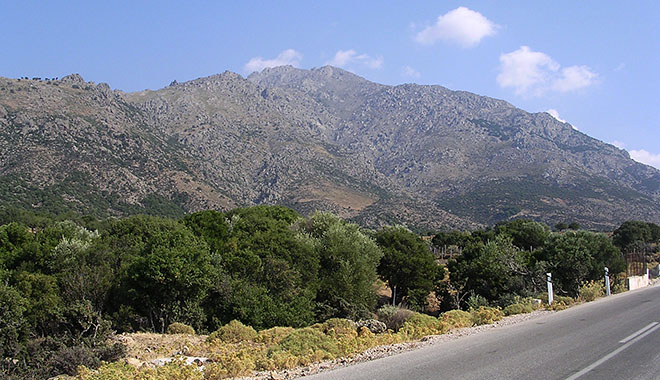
409	72
525	69
618	144
553	112
287	57
462	26
534	73
645	157
574	78
346	57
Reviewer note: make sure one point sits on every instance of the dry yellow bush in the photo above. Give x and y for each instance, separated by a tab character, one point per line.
485	315
457	319
420	325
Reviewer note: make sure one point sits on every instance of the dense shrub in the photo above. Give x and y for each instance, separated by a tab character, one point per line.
67	359
273	335
558	302
231	363
619	287
476	301
233	332
116	370
394	317
420	325
338	327
180	328
486	315
579	257
518	308
591	290
310	341
456	319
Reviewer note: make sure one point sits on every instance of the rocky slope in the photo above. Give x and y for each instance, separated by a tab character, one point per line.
310	139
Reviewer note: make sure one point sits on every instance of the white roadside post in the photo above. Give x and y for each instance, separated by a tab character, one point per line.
550	297
607	282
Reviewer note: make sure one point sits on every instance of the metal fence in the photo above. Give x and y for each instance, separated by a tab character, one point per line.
635	264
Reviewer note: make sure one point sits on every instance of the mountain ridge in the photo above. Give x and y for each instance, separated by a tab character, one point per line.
324	138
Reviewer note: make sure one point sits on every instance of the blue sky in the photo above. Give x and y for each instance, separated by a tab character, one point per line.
595	63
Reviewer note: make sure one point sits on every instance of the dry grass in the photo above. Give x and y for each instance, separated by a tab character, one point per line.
150	346
279	348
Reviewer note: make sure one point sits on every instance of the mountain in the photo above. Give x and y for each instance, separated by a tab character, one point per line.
312	139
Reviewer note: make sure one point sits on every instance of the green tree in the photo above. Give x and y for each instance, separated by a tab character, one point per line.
44	304
525	234
348	266
212	226
13	324
163	270
576	257
493	270
15	240
634	232
407	264
264	274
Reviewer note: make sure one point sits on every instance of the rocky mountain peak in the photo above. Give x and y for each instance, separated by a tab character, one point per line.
73	79
312	139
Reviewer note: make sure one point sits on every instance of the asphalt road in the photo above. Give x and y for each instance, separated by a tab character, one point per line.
616	337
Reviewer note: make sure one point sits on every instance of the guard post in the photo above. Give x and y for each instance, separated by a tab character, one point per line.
607	282
550	297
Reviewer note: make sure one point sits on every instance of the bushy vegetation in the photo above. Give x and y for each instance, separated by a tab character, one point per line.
393	316
408	266
485	315
233	332
180	328
512	259
591	290
518	308
67	286
419	325
456	319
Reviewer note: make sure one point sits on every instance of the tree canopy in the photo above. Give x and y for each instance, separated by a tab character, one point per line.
407	265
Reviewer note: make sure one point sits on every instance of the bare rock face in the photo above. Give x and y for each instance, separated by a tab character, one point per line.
312	139
73	79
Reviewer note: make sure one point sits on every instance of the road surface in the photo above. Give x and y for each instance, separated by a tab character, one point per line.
616	337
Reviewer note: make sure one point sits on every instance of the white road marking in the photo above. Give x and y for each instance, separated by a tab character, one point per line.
625	340
615	352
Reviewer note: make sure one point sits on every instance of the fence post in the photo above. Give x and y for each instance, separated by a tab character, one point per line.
550	296
607	282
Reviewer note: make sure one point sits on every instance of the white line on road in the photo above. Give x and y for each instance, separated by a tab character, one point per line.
624	340
613	353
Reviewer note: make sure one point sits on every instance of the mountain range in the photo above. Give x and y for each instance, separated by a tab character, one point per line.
325	139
